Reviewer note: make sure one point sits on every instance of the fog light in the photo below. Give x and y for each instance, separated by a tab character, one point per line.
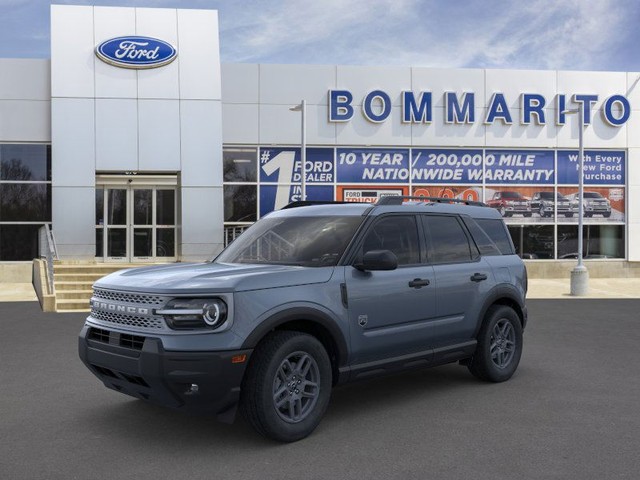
193	389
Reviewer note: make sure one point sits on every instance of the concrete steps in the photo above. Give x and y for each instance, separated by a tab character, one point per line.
73	282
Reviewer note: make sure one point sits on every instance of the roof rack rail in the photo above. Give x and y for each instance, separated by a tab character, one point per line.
307	203
399	199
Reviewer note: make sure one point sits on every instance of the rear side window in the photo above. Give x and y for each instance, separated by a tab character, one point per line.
448	242
484	243
495	229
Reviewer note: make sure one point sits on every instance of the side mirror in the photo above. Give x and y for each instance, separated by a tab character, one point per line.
378	260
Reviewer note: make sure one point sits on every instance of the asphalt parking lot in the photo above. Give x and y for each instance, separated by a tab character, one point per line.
571	411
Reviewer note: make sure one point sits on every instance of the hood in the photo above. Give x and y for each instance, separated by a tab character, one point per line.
200	278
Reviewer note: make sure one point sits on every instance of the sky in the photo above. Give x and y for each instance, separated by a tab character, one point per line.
530	34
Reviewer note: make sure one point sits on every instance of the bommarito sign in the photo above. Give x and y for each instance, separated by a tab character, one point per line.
459	108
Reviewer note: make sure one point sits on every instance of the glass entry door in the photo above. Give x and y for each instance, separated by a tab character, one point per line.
135	223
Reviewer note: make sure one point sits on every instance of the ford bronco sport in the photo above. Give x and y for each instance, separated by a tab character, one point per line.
308	298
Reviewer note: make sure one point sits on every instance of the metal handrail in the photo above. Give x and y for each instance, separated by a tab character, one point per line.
47	250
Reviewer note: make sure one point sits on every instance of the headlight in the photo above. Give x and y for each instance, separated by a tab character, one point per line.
194	313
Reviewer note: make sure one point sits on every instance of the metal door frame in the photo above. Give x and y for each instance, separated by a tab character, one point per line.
130	184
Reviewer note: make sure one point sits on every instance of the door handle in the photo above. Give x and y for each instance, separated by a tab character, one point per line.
478	277
419	283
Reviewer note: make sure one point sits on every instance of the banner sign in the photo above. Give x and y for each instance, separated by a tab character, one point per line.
272	199
368	193
446	165
367	165
601	167
519	167
283	165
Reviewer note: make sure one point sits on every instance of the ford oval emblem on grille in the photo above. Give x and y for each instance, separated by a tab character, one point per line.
136	52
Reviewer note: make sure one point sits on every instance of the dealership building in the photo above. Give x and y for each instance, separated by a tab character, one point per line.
134	144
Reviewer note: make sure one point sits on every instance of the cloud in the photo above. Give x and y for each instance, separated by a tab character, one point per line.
538	34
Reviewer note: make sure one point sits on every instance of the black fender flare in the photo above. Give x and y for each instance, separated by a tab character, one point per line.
300	314
499	292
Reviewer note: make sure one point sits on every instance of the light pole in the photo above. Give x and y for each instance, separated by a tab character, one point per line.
302	107
580	274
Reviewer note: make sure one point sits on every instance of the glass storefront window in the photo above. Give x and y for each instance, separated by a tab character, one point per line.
18	242
25	163
116	242
240	203
99	242
165	207
142	242
533	242
142	206
599	241
25	202
165	242
100	207
239	164
117	206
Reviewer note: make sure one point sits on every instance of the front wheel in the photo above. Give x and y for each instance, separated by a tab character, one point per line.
287	387
499	346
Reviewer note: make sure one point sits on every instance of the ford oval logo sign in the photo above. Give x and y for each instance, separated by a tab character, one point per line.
136	52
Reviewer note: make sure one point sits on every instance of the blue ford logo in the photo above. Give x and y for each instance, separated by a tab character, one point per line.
136	52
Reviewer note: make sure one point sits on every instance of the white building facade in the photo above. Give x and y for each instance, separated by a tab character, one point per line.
169	163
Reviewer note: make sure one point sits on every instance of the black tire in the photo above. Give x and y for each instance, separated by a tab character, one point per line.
264	375
483	365
606	215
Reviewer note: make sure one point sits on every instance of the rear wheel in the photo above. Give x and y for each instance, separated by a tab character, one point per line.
287	386
499	346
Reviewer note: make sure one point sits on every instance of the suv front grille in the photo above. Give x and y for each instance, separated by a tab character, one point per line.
99	335
137	298
128	320
131	341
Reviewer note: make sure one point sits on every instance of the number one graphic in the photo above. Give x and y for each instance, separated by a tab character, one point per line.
283	163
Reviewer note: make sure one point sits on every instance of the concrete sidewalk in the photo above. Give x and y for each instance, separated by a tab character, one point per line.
17	292
538	288
598	288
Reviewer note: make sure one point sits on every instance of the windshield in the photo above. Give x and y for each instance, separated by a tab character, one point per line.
306	241
511	195
549	196
592	195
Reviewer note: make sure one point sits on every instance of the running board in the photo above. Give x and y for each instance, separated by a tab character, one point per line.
425	358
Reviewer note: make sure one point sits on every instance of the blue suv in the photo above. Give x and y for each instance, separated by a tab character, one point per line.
310	297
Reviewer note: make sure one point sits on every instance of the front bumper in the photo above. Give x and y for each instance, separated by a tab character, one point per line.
140	367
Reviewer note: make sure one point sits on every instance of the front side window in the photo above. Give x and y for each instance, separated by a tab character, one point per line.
449	243
317	241
399	234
